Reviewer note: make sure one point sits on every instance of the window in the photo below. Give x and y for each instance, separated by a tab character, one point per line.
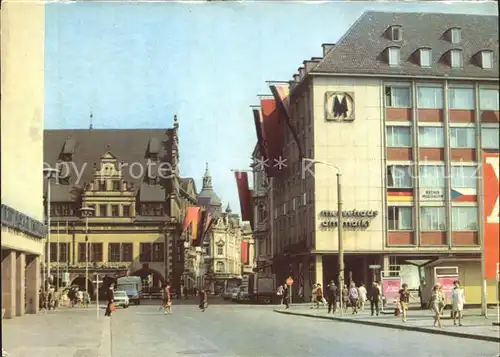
487	59
127	252
432	219
114	211
158	210
399	136
64	252
464	218
425	57
158	252
396	33
455	35
219	267
430	137
461	98
145	252
102	185
398	97
463	138
488	99
456	58
463	176
82	257
432	176
96	252
126	211
116	186
394	56
114	252
490	138
400	218
399	176
220	250
261	215
430	97
103	210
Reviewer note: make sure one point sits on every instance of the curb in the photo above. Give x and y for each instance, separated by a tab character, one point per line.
397	327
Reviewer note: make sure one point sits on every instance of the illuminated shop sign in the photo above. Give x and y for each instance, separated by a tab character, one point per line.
351	219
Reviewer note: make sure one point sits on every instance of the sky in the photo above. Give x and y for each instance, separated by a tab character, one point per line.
135	65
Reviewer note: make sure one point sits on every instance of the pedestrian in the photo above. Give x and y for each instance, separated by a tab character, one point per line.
404	300
301	293
457	302
111	299
203	300
353	297
374	297
167	299
345	297
319	296
332	297
286	296
279	293
363	293
314	300
437	303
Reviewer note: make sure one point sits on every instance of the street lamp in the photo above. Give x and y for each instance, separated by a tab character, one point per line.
339	226
87	212
49	174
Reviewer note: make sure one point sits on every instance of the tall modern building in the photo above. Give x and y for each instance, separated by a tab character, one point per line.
22	113
406	108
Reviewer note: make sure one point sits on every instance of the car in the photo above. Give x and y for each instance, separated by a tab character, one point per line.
121	299
228	294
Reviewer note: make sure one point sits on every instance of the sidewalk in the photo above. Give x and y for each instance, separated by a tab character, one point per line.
474	326
61	333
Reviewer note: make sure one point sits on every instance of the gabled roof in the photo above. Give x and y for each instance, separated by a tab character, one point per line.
129	146
360	50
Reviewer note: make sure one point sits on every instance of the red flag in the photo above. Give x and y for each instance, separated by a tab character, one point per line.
191	214
273	135
209	222
244	252
281	93
245	195
259	122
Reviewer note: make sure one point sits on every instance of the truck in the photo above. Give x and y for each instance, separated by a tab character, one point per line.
262	288
132	285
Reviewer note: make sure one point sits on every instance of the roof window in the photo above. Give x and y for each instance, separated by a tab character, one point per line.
396	33
394	56
455	35
425	57
486	59
456	60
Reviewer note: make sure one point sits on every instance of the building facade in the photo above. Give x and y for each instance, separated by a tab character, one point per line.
263	243
130	180
406	120
22	108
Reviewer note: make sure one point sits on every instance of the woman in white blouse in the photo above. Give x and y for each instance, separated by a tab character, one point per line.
457	301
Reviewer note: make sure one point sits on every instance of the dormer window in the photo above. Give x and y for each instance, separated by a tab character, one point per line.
486	59
455	35
456	60
396	33
425	57
394	57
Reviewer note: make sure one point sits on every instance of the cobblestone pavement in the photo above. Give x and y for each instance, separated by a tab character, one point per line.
224	330
474	326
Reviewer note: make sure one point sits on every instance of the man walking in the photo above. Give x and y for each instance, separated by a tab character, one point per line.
111	299
332	297
203	300
375	298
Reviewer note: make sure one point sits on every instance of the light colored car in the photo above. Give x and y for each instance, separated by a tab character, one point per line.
121	299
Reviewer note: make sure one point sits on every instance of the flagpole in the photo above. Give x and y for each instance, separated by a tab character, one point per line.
57	261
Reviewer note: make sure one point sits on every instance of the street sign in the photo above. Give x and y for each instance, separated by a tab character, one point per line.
374	266
289	281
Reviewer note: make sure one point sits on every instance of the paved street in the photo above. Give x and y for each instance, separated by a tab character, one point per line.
224	330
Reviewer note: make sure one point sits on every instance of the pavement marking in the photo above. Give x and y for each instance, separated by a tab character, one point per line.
105	348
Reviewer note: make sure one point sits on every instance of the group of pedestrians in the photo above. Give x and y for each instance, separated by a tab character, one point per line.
167	299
